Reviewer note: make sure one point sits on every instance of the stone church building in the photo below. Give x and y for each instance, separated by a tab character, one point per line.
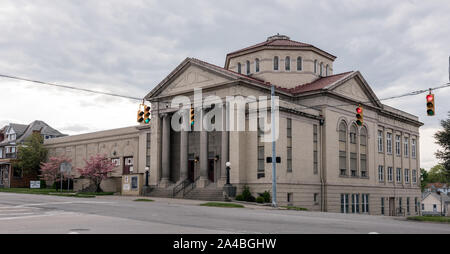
328	162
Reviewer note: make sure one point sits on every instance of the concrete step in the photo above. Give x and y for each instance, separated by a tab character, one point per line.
160	193
208	194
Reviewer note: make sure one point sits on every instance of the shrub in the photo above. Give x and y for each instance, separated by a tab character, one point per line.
247	195
43	184
266	196
240	197
260	200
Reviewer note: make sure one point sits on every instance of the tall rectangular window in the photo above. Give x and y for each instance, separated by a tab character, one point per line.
389	143
365	203
355	203
399	175
289	145
353	164
380	141
415	205
400	204
344	203
363	165
315	151
382	206
261	161
380	173
414	176
413	148
397	145
406	148
390	174
147	160
406	175
407	205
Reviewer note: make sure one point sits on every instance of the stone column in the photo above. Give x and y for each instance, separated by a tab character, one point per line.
165	152
224	150
183	155
203	156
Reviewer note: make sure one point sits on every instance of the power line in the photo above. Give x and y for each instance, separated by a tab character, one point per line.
70	87
141	99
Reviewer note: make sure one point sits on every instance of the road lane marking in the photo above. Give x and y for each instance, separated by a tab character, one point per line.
63	203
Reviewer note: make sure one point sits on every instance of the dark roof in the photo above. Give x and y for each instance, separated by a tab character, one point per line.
19	128
285	42
278	41
320	83
24	131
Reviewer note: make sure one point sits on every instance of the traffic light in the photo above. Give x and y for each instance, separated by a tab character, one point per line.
140	115
430	105
146	114
359	116
192	114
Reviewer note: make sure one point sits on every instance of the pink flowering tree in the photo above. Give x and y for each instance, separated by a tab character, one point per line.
97	169
50	170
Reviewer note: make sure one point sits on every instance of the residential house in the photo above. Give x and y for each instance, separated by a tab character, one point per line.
14	135
438	187
435	203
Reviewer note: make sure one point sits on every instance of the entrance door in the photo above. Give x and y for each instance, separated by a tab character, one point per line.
191	170
391	206
127	165
211	170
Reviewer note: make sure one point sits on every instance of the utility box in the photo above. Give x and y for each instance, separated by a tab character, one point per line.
132	184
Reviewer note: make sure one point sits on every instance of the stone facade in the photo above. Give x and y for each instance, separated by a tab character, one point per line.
330	171
118	144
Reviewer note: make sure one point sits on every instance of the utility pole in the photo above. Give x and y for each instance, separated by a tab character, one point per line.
274	159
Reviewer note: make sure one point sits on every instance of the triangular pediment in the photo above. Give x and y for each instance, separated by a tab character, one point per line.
188	76
356	88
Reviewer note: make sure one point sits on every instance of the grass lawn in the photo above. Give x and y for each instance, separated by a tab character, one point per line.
55	192
430	218
295	208
143	200
218	204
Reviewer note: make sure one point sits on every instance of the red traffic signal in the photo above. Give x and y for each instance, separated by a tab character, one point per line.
359	116
430	105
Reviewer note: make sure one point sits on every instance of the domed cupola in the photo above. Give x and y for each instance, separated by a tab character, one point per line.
281	61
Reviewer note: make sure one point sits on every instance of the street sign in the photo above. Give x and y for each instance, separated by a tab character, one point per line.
65	167
35	184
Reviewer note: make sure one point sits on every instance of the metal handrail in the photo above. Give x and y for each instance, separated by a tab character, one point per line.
180	187
190	186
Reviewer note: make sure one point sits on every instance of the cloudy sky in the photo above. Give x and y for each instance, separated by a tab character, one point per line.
127	47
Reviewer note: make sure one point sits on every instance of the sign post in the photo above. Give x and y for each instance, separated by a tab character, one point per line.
65	167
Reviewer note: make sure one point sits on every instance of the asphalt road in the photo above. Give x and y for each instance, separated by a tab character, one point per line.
22	213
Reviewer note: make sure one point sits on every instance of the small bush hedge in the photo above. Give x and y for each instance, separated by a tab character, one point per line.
260	200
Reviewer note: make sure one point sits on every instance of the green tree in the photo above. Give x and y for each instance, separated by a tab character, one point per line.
443	139
31	154
437	174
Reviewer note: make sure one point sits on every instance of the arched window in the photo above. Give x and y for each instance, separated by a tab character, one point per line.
287	63
326	70
239	68
342	149
353	151
248	67
363	151
299	63
275	63
315	66
321	69
256	65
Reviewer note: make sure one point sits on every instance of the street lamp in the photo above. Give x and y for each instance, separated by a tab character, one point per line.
147	174
228	164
